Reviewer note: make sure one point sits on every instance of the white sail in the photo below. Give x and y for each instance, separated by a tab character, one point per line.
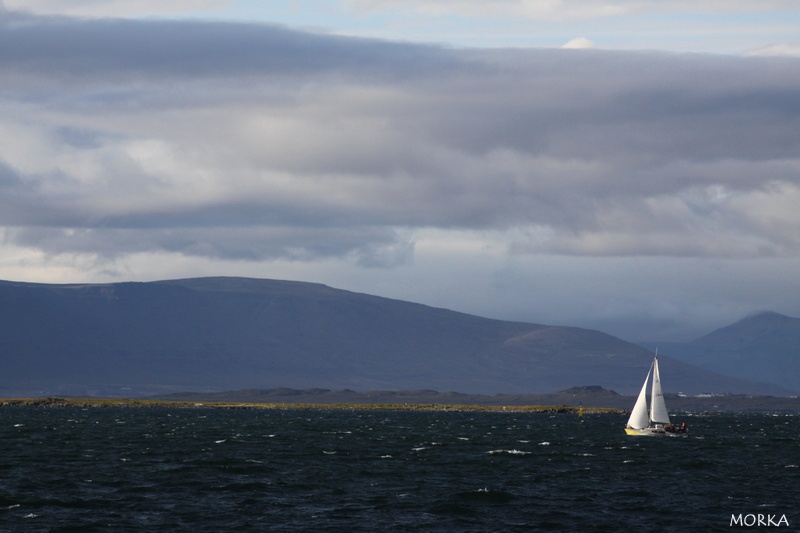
658	408
639	418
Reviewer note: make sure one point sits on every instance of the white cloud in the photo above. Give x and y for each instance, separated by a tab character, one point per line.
577	43
783	49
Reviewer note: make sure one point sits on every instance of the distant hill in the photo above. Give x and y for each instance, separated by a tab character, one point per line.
764	347
213	334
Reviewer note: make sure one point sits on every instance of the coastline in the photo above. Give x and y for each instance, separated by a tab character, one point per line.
52	401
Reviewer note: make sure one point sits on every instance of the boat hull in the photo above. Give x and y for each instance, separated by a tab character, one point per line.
646	432
657	431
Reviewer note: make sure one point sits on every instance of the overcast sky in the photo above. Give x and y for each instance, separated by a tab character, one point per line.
600	164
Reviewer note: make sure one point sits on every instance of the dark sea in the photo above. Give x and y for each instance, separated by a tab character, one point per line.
161	469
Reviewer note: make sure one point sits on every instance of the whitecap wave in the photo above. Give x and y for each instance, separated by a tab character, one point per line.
509	452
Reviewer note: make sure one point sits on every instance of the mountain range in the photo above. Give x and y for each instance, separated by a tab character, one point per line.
764	347
214	334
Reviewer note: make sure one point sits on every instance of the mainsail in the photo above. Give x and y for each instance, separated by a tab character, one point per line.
639	418
658	408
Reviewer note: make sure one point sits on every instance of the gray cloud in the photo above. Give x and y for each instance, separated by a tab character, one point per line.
368	247
254	141
115	8
124	50
563	8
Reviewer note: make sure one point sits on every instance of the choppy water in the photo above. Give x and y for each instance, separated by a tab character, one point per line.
326	470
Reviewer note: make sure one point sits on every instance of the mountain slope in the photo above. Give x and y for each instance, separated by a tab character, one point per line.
764	347
228	333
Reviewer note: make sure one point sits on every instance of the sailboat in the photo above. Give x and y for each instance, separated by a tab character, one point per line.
654	422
